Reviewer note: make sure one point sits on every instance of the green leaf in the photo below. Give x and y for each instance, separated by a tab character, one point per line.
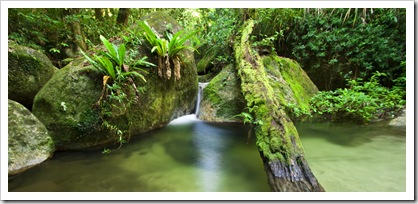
135	74
109	46
107	66
149	33
121	52
92	62
143	62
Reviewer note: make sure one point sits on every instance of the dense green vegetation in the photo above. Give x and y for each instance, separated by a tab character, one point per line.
362	101
339	44
355	56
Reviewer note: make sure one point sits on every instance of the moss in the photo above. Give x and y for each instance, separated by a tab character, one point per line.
28	71
291	84
79	87
89	121
277	138
28	140
222	98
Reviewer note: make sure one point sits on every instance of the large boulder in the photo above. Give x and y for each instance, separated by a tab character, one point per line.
222	98
29	141
290	83
68	107
28	72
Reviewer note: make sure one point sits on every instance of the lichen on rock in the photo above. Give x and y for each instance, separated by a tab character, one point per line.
29	142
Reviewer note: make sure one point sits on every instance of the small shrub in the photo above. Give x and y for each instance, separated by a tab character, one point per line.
362	101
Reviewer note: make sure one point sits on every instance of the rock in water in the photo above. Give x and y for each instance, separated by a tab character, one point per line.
399	121
28	72
29	141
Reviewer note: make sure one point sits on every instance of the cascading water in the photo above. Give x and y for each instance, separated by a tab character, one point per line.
199	97
191	117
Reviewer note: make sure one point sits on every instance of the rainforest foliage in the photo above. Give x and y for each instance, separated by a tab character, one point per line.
355	56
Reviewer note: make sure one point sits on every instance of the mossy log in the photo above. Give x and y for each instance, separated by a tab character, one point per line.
276	136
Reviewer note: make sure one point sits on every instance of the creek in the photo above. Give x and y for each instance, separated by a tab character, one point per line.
356	158
191	155
187	155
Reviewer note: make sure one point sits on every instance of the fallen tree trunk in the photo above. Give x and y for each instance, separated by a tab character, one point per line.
277	138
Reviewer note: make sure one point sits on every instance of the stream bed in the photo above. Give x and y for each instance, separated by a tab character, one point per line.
190	155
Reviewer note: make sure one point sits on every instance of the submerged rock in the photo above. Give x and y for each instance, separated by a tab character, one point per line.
29	142
28	72
67	104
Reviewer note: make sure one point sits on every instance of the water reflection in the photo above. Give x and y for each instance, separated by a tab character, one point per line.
210	150
356	158
187	155
193	155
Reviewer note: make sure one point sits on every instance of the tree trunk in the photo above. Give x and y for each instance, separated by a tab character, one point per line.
98	13
77	31
123	15
277	138
79	36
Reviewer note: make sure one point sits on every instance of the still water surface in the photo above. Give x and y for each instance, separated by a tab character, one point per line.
187	155
191	155
356	158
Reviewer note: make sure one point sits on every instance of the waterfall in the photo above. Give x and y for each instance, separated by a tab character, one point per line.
199	97
193	117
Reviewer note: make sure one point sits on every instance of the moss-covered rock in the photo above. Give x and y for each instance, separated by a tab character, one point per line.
290	83
222	98
67	104
164	100
29	142
28	71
